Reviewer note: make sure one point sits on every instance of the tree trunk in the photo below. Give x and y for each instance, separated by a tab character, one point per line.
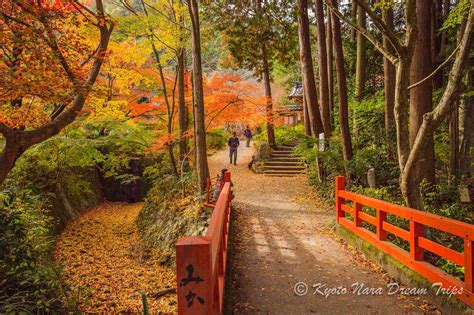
421	96
307	123
12	150
454	142
323	69
202	168
182	110
445	106
354	19
342	93
268	96
330	67
389	77
307	71
361	60
436	38
466	129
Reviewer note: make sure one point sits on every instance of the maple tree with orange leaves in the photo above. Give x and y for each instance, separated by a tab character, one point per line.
47	71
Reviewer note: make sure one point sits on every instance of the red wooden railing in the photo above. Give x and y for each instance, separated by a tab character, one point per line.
201	262
415	236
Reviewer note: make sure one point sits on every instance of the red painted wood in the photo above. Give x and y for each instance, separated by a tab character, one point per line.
418	222
208	256
367	218
469	264
340	186
381	218
357	211
442	251
194	251
416	230
458	228
395	230
346	209
429	271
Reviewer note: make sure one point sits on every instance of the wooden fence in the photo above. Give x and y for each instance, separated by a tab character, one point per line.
414	234
201	261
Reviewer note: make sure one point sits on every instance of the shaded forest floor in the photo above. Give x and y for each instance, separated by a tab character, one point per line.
282	237
107	263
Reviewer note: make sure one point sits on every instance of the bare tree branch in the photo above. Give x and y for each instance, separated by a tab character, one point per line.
432	74
393	58
381	26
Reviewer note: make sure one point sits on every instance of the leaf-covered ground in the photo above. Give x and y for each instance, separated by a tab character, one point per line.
107	263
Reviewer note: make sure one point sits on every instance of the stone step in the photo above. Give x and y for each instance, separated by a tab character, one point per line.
284	159
282	172
283	153
282	168
280	175
283	163
284	148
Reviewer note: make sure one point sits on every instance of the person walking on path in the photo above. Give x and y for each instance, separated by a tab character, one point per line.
248	135
233	144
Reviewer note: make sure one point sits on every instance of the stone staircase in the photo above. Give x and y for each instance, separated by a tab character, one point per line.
283	162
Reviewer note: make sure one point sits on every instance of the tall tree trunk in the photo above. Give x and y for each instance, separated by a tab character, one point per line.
342	92
307	71
421	96
268	95
454	142
453	124
182	110
361	61
202	168
330	67
307	122
445	106
169	108
389	78
466	128
436	38
323	69
354	19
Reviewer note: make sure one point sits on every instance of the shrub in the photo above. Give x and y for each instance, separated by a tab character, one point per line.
29	282
217	138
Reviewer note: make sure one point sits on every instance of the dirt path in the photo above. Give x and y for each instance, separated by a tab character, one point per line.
282	238
103	255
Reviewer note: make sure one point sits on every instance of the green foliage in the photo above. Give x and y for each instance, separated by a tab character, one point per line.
283	134
368	121
29	282
245	25
217	138
457	14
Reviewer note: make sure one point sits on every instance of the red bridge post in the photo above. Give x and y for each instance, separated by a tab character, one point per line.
194	276
201	261
469	264
340	185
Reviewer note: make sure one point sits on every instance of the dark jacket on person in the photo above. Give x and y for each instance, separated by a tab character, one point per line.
248	133
233	142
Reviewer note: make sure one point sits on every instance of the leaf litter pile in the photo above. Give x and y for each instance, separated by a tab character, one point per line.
108	265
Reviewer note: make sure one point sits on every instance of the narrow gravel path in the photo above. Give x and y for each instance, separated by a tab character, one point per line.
282	237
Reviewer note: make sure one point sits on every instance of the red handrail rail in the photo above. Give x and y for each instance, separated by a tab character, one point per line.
419	220
201	261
